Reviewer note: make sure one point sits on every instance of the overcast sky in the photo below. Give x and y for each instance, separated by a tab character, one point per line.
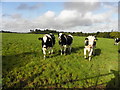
75	16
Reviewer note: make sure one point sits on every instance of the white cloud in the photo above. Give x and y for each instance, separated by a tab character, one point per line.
68	17
67	14
47	20
101	18
49	14
82	7
74	17
16	16
25	6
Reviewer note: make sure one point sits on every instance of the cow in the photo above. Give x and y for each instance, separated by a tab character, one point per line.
48	41
90	44
117	40
65	41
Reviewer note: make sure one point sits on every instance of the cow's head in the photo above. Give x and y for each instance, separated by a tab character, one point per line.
45	41
40	38
86	42
59	36
90	41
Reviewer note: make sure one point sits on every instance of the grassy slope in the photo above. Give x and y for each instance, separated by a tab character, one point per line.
23	64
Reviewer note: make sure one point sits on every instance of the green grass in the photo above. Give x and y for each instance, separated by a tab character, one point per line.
23	64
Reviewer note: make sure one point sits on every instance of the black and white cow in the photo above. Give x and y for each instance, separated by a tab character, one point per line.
90	44
48	41
117	40
65	41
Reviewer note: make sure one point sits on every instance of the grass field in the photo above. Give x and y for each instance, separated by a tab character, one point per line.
23	64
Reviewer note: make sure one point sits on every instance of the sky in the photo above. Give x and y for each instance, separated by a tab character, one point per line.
66	16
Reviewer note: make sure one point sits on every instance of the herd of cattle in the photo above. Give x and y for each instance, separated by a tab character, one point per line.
65	41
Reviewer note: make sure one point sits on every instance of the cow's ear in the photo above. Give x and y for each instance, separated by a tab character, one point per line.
86	42
40	38
86	38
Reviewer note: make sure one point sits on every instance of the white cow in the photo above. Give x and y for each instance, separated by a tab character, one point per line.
90	43
117	41
48	41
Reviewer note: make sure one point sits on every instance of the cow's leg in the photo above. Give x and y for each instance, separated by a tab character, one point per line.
61	49
70	47
51	50
93	51
90	53
65	46
85	50
116	43
44	52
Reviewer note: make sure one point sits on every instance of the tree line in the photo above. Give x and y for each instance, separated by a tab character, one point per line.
112	34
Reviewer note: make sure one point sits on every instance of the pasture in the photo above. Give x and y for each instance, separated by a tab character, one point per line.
23	65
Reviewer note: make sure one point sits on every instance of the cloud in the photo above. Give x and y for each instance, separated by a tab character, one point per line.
49	14
46	20
73	18
113	6
12	16
19	25
25	6
16	16
67	18
82	7
5	15
78	16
